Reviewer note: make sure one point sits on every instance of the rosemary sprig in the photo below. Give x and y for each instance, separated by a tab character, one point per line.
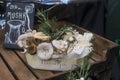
71	76
84	68
83	71
59	33
48	26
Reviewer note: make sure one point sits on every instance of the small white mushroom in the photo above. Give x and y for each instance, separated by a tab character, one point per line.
60	44
68	36
88	36
78	37
45	51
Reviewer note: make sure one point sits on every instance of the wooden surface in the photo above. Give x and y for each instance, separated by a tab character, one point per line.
13	65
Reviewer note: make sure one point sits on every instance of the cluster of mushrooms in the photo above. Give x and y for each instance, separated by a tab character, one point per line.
72	45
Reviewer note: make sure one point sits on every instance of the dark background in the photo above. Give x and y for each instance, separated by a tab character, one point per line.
89	15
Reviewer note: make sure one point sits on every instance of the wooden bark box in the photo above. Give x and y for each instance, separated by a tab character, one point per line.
13	64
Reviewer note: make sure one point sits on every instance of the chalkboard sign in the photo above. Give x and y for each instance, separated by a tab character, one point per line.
19	18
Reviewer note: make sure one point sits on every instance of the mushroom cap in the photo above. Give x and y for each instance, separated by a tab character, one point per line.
45	50
22	39
60	44
41	36
86	51
68	36
88	36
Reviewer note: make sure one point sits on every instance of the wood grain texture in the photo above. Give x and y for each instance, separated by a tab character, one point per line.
21	71
5	74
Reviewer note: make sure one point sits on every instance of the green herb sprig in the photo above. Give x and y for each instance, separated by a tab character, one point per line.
48	26
83	70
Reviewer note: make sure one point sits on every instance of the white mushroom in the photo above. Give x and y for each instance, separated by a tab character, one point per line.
87	37
60	44
81	47
75	51
23	38
68	36
44	51
86	51
78	36
80	52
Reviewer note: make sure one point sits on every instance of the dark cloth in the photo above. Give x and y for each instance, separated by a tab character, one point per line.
89	15
115	74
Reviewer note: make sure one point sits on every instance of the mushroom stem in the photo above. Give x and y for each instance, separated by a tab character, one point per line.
25	50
